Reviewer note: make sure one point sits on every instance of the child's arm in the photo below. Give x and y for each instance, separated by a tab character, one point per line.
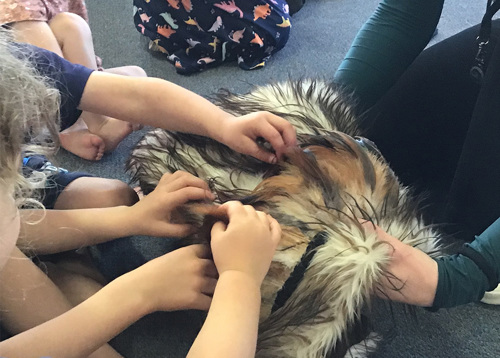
51	231
242	252
182	279
231	327
162	104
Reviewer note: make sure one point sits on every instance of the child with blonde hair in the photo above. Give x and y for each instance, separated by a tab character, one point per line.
60	26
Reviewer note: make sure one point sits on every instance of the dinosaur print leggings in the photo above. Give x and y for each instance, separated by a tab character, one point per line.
197	34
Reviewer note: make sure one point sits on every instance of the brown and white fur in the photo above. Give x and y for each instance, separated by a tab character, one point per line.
334	179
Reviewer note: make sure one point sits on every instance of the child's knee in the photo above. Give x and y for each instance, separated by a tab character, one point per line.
136	71
92	192
117	193
132	71
69	24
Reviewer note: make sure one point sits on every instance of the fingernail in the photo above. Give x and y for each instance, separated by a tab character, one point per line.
273	159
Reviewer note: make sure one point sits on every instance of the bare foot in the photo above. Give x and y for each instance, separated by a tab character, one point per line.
83	144
111	130
78	140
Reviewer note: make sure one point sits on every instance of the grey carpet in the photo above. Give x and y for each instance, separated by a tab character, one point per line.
321	34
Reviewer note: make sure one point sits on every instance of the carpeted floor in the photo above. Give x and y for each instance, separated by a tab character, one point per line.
321	34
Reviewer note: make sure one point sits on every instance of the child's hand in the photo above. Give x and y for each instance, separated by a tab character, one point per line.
241	134
153	214
182	279
247	244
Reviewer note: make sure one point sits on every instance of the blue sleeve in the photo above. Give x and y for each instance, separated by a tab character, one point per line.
70	79
460	279
386	45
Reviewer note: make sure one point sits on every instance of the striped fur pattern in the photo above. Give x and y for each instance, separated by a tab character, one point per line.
331	181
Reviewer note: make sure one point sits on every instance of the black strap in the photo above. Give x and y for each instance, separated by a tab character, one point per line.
481	262
298	272
483	40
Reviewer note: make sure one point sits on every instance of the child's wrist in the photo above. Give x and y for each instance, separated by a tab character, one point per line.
126	221
242	277
216	128
126	289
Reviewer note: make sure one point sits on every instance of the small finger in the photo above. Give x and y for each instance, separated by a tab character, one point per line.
275	230
232	208
286	129
184	180
218	227
254	150
273	136
165	178
264	218
182	196
250	210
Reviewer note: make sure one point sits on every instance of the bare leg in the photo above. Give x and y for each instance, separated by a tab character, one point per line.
75	275
81	142
37	33
90	192
24	293
77	288
74	39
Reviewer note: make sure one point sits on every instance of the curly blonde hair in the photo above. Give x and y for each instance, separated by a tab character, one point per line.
29	112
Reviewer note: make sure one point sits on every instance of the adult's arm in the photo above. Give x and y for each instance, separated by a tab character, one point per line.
386	45
466	278
447	281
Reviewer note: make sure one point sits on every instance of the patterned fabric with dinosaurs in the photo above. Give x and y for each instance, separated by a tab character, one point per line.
196	34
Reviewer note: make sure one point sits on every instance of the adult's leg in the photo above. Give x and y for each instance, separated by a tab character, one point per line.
474	198
386	45
422	122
